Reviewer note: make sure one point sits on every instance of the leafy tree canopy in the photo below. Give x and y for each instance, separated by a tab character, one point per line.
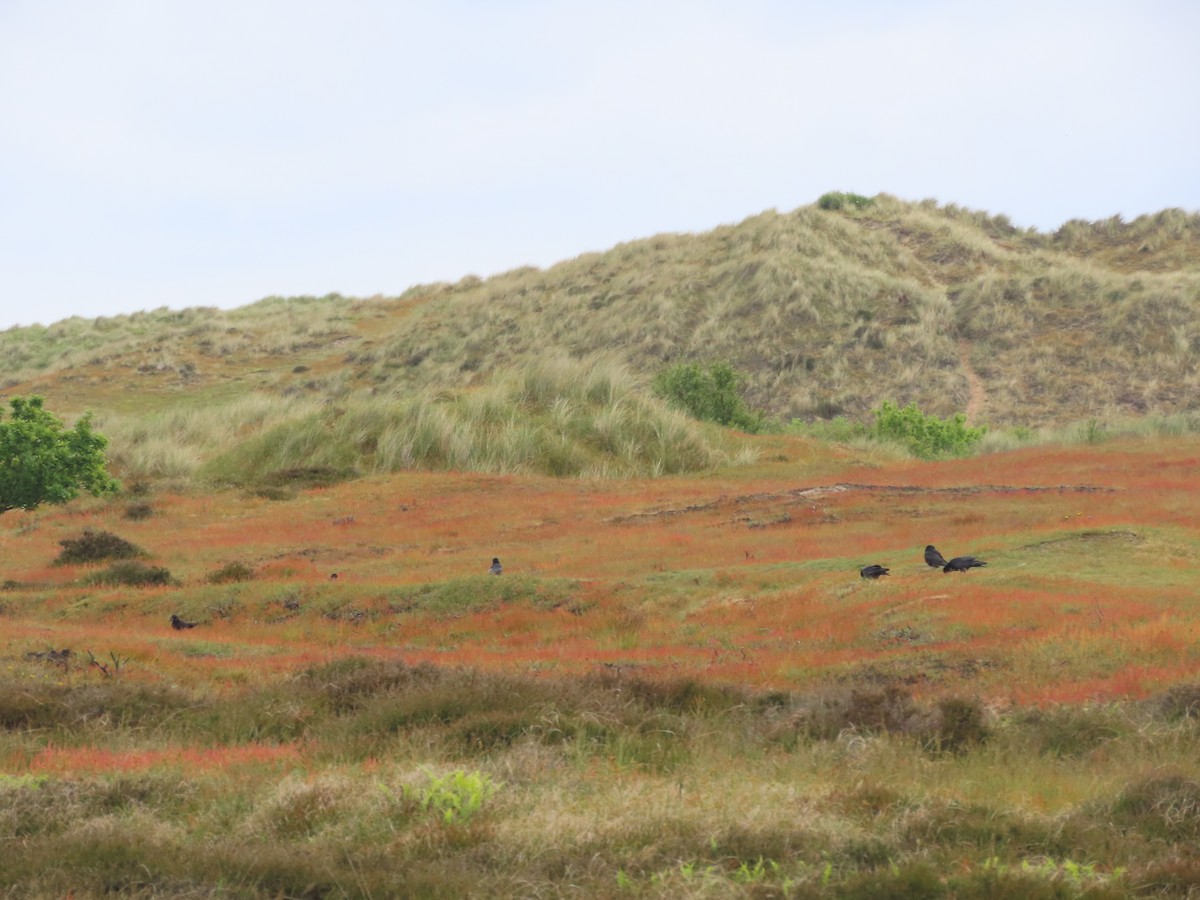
42	461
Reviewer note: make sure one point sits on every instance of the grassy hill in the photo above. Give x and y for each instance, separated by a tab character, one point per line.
679	687
827	310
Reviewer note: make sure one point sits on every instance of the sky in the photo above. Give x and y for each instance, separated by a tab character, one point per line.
179	153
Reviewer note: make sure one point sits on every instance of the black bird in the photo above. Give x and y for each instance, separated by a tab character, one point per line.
496	568
933	558
962	563
179	624
873	571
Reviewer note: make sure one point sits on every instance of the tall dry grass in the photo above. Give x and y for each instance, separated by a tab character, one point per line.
559	416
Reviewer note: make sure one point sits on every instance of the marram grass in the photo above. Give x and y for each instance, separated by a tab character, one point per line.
558	417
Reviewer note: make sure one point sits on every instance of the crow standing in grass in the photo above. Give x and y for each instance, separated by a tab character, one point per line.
962	563
179	624
873	572
495	568
933	558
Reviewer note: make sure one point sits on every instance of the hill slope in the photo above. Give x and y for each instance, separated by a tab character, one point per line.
827	311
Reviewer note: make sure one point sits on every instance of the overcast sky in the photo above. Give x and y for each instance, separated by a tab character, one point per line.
184	153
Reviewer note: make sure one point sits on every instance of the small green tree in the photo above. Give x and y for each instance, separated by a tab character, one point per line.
711	394
924	435
42	461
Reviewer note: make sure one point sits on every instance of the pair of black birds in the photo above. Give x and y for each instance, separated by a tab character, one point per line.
934	559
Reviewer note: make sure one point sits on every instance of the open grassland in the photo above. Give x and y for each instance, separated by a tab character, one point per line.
827	311
679	687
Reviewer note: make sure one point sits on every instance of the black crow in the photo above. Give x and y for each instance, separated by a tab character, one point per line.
873	571
933	558
179	624
962	563
496	568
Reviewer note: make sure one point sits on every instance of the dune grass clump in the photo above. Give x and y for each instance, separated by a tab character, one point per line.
556	417
131	573
231	572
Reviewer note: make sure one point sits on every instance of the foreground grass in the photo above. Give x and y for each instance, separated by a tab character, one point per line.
334	781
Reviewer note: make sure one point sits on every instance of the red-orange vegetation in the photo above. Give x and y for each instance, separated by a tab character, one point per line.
1130	683
85	760
747	575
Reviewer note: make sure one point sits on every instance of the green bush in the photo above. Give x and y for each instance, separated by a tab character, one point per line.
711	394
840	200
43	462
924	435
456	797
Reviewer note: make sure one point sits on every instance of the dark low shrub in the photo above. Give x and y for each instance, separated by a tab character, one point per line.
1068	732
95	546
303	477
871	710
1161	807
960	725
1180	702
139	511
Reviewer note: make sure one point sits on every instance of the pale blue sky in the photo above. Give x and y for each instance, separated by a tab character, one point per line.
157	153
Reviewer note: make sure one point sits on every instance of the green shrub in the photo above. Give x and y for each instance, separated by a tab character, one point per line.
711	394
838	200
456	797
924	435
